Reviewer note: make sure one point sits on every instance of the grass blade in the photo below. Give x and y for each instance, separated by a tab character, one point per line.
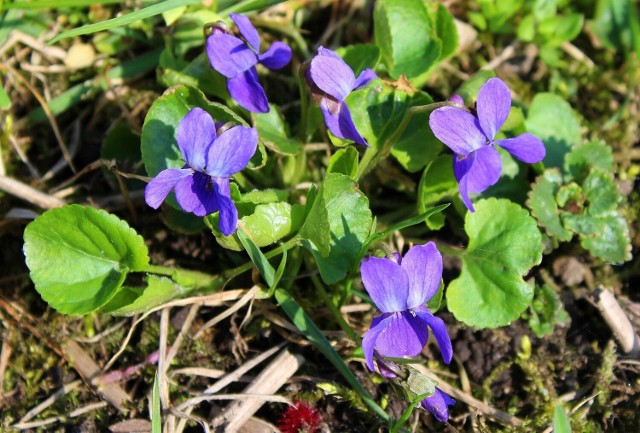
314	335
156	415
123	20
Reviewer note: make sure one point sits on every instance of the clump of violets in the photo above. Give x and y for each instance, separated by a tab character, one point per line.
212	156
330	81
400	287
300	418
236	59
477	164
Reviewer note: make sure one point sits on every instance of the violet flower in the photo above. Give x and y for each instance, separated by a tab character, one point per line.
400	287
476	162
438	404
202	185
331	80
236	59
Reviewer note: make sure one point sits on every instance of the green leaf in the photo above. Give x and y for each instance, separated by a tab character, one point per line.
378	110
337	226
547	311
542	202
258	259
404	34
612	242
265	223
445	29
79	256
436	184
504	243
614	24
601	192
344	161
561	422
159	146
198	73
578	162
156	410
5	101
305	324
552	119
360	56
561	28
274	132
123	20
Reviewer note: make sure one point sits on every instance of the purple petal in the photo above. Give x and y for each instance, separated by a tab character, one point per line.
438	404
364	77
526	147
246	90
248	32
477	172
277	56
493	104
195	133
160	186
423	265
332	75
229	55
439	332
341	123
378	324
228	213
231	151
194	194
326	52
458	129
403	335
457	99
386	282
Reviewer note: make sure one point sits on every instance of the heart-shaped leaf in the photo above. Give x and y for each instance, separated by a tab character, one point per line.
504	243
79	257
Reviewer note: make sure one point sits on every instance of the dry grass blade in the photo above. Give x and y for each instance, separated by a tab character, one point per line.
89	370
80	411
618	321
66	388
27	193
244	300
268	381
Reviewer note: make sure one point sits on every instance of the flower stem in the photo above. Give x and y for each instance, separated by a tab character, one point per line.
372	155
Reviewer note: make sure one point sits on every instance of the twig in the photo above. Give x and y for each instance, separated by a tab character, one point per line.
66	388
504	55
32	195
577	54
5	355
75	413
618	321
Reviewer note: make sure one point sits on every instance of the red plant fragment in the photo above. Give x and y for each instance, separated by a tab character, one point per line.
300	418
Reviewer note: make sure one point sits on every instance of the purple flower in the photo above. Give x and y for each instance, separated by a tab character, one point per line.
331	80
202	185
236	59
438	404
400	287
477	163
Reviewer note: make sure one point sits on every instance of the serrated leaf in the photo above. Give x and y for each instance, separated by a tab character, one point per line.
404	34
542	202
274	132
579	161
612	243
601	192
504	243
79	256
552	119
547	311
158	142
582	224
337	226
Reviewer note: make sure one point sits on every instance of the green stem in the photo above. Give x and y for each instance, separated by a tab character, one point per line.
232	273
334	310
450	251
372	156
